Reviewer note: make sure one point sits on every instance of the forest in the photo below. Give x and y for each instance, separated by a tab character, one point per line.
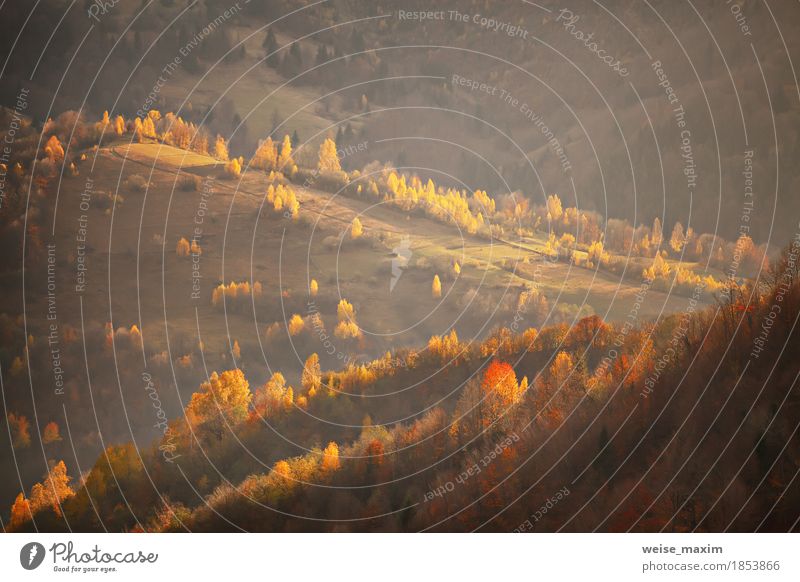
346	266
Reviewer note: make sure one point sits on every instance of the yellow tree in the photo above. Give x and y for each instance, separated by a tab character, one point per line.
328	158
561	367
266	156
233	169
330	458
53	149
137	129
119	125
221	149
313	288
148	127
554	209
345	311
296	325
311	378
436	287
660	269
182	248
347	326
52	491
356	229
224	399
273	396
285	158
677	240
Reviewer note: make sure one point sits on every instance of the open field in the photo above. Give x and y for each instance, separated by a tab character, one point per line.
243	241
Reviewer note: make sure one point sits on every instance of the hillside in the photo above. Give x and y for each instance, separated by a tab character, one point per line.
541	432
354	266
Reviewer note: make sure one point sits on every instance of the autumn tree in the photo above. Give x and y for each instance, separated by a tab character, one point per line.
53	150
20	430
330	458
347	326
51	433
148	128
356	230
183	248
233	168
311	378
266	156
660	269
221	401
657	234
313	288
328	157
296	325
119	125
561	367
20	512
52	490
552	389
677	240
273	397
467	419
104	122
500	390
436	287
554	208
285	160
221	149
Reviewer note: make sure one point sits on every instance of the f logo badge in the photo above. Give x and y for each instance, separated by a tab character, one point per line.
31	555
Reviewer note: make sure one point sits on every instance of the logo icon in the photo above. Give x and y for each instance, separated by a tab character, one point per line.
402	254
31	555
